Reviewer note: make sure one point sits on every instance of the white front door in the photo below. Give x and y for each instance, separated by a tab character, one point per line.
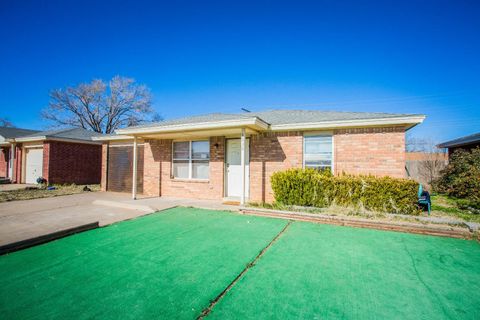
33	164
234	168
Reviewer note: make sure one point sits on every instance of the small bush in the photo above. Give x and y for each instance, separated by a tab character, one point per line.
461	178
309	187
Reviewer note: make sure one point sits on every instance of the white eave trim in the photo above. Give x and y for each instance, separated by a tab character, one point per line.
44	138
112	138
30	139
7	142
408	121
254	121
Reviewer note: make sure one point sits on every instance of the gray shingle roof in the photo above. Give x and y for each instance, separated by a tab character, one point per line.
276	117
461	141
71	133
211	117
9	133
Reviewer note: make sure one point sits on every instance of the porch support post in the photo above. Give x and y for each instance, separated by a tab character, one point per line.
242	162
12	161
134	179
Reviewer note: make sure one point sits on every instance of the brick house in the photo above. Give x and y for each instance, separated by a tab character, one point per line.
466	143
60	156
7	137
232	156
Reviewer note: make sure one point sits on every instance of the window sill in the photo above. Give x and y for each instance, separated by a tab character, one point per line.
190	180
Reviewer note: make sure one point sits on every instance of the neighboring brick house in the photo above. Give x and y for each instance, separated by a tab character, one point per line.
59	156
232	156
7	145
465	143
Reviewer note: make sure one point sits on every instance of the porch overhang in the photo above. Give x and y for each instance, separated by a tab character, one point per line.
196	130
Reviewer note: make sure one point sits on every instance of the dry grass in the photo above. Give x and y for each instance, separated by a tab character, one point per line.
335	210
444	206
42	192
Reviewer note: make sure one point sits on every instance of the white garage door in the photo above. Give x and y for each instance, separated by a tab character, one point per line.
33	164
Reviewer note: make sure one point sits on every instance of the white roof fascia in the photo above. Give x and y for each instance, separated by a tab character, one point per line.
43	138
349	123
113	137
254	121
29	139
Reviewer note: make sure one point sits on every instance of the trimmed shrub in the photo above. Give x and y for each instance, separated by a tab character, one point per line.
310	187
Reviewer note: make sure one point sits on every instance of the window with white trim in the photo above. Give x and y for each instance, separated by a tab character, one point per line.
191	159
318	151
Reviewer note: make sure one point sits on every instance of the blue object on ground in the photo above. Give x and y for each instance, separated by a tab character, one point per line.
424	198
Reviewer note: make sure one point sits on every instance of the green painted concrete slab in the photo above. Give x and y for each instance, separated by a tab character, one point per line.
328	272
172	264
166	265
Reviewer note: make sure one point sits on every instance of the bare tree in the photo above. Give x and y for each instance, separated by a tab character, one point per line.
101	107
4	122
430	167
414	144
427	161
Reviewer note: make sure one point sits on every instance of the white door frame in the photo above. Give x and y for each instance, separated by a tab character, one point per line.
245	164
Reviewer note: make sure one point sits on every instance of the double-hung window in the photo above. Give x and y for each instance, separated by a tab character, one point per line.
318	151
191	159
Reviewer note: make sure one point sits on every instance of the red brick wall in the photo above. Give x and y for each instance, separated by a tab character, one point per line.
152	165
103	182
72	162
17	174
4	155
376	151
157	179
271	152
46	161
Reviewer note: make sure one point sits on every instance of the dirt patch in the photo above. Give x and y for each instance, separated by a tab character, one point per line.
36	193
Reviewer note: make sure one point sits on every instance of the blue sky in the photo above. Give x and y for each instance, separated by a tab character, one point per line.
203	56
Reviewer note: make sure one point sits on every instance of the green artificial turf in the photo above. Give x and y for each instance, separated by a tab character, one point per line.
327	272
167	265
172	264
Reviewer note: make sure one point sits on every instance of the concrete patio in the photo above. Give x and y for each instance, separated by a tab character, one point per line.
21	220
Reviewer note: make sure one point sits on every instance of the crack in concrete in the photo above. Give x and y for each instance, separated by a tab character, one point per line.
207	310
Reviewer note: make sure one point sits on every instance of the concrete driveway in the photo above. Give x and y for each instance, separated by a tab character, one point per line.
20	220
26	219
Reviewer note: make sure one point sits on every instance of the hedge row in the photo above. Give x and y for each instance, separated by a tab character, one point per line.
309	187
